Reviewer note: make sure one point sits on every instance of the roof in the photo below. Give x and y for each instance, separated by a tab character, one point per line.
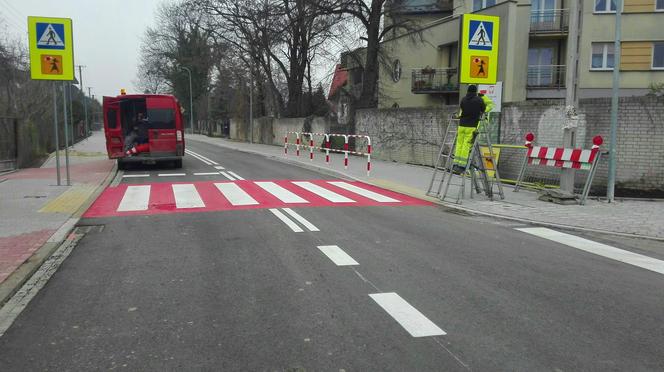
338	81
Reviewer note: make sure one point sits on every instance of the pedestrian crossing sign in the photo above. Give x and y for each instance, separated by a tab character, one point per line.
51	48
478	60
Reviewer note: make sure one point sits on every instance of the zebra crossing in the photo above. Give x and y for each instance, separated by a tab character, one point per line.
181	197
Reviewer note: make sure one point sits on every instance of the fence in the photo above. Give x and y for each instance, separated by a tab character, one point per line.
326	137
8	144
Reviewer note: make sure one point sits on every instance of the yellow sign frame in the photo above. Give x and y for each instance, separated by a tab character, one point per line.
44	63
481	55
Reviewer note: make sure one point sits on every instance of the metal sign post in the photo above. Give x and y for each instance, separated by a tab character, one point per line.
52	58
55	129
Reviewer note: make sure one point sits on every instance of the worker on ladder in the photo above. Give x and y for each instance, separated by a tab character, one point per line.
472	108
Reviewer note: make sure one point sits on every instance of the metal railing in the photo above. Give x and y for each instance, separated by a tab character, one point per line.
438	80
549	21
546	76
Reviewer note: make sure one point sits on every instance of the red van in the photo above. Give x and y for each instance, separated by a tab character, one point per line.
146	128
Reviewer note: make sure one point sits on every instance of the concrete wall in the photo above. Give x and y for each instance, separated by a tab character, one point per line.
413	135
271	131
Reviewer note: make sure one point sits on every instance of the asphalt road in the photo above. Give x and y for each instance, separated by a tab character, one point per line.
240	290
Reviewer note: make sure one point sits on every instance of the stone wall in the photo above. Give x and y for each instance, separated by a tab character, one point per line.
271	131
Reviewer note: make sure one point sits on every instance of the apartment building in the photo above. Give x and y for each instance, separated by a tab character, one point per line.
420	68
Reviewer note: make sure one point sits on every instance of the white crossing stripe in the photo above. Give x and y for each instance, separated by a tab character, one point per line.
600	249
186	196
206	174
235	194
197	157
337	255
219	167
235	175
280	193
293	226
171	174
364	192
135	175
227	176
409	317
324	193
135	198
310	226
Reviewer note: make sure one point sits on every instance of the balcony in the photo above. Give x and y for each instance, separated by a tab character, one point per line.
435	81
549	22
546	77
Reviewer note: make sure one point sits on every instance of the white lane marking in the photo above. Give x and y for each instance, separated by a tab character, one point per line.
203	157
337	255
135	175
280	193
324	193
206	174
405	314
599	249
186	196
219	167
364	192
235	195
293	226
197	157
301	219
135	198
227	176
171	174
235	175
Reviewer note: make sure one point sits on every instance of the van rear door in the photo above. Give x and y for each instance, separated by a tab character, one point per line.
162	130
113	128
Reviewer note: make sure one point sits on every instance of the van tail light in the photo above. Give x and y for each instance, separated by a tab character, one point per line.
178	136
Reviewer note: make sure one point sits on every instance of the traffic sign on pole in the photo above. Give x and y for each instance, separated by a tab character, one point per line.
478	60
51	48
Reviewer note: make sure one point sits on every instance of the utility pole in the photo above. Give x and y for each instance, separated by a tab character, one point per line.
191	100
615	89
571	97
85	100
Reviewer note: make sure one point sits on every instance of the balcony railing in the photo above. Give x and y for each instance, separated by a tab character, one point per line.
549	21
546	76
430	80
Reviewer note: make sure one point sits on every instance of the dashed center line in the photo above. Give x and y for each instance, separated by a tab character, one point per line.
337	255
235	175
219	167
227	176
310	226
413	321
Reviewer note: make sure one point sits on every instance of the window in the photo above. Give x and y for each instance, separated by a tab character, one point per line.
658	55
161	118
481	4
659	5
602	56
605	6
112	119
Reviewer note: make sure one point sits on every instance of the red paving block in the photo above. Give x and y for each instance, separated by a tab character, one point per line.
14	250
82	173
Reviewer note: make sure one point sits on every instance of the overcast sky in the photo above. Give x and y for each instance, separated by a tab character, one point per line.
107	35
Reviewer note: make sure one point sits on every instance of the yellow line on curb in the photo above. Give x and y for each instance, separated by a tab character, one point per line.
70	201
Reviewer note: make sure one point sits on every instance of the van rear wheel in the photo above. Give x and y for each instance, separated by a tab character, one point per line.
177	164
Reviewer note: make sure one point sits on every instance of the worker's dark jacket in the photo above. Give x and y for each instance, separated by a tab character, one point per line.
472	108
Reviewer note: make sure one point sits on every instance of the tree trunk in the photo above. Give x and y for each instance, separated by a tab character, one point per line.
370	78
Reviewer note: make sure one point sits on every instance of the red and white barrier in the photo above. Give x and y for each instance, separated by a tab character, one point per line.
561	157
326	137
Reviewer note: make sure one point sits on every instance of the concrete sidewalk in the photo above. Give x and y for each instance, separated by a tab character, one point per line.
36	215
624	217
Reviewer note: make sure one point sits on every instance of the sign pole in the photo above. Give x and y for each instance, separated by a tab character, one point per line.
64	105
55	127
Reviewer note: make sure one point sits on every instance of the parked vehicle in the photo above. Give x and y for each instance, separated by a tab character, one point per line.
145	128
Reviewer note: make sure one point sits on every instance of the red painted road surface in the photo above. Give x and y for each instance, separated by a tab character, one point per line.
162	199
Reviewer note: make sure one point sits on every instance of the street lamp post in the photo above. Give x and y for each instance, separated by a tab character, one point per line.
191	100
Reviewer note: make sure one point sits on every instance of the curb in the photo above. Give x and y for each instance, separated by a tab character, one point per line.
21	275
404	190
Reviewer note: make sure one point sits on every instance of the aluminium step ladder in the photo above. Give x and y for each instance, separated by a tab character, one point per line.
443	176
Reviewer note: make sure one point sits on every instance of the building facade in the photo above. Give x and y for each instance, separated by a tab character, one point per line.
419	68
